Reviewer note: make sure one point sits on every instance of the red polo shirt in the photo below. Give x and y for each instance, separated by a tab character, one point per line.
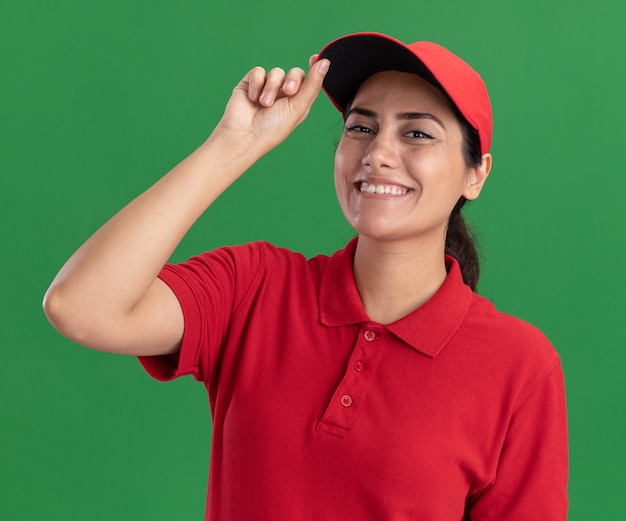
454	412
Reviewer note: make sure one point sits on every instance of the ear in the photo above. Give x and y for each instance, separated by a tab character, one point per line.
476	178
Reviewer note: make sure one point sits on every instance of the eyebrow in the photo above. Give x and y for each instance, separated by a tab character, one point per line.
400	115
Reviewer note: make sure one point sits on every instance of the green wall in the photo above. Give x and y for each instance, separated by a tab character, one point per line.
98	99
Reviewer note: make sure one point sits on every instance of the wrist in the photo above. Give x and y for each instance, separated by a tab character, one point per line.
235	145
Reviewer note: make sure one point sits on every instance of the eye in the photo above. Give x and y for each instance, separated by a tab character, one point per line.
418	134
359	129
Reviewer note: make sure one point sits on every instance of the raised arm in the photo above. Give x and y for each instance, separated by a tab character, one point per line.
107	295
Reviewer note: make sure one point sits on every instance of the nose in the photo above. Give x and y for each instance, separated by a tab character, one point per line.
382	152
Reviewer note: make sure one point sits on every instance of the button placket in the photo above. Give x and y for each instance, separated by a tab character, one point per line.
351	393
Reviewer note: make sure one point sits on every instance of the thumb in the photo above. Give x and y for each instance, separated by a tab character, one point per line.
311	87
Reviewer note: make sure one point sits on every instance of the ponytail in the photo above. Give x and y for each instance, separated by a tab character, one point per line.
459	239
460	245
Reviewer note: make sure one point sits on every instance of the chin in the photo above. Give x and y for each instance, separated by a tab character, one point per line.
379	231
390	231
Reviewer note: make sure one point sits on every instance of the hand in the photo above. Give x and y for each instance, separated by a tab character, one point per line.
266	107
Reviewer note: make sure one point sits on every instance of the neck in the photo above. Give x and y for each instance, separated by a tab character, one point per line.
394	279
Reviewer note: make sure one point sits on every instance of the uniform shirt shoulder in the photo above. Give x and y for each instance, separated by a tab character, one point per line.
266	253
247	260
514	346
514	331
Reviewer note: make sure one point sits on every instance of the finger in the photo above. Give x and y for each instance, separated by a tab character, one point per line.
256	82
293	80
313	59
273	82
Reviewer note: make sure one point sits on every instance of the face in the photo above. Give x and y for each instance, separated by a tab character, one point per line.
399	167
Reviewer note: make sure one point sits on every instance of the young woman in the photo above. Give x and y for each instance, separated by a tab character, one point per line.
372	384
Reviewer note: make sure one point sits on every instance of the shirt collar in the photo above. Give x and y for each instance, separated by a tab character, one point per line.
427	329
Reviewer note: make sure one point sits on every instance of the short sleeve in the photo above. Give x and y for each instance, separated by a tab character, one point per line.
209	288
532	473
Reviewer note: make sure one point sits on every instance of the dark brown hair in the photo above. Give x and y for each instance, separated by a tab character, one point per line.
460	242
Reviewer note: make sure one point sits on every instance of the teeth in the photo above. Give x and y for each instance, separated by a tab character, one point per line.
382	189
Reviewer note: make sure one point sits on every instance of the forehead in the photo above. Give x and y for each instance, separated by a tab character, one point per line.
403	91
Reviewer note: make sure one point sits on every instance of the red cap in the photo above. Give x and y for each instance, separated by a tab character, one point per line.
356	57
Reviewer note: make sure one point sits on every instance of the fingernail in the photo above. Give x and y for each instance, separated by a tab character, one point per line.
290	85
268	98
324	65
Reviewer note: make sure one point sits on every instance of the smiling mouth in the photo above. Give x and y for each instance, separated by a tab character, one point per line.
381	189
